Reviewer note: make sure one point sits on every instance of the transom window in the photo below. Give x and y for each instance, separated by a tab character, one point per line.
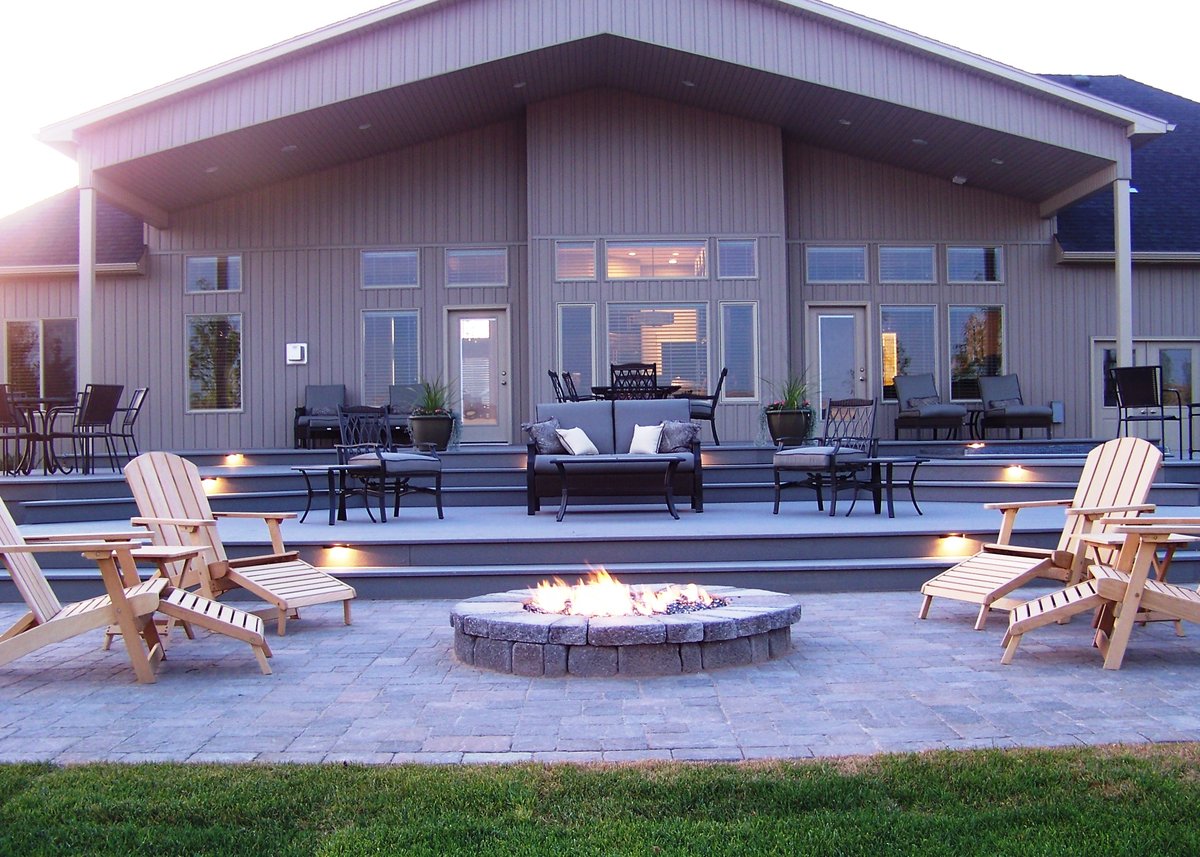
672	336
907	343
390	269
976	347
213	274
974	265
906	265
574	260
836	264
391	353
737	259
214	362
41	357
482	266
656	260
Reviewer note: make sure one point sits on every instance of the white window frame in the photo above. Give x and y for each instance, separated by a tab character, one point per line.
187	363
753	242
187	280
560	361
999	251
499	250
861	248
933	326
651	244
949	371
755	350
362	274
932	251
559	278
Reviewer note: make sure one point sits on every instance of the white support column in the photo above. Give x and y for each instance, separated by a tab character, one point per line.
87	284
1124	271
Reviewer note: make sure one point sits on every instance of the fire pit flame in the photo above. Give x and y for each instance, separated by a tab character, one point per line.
603	595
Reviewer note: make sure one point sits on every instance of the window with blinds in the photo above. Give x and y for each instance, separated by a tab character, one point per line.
41	357
212	274
577	344
656	260
390	269
214	362
574	261
976	347
974	265
483	266
906	265
836	264
737	259
908	344
672	336
739	350
391	353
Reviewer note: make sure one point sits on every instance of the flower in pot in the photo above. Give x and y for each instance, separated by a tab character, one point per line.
790	416
431	422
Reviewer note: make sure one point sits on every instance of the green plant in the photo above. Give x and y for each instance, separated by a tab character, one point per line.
434	399
791	395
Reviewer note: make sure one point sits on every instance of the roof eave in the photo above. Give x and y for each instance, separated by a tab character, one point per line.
103	269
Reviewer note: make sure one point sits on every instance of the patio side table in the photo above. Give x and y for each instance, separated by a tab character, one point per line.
881	483
335	482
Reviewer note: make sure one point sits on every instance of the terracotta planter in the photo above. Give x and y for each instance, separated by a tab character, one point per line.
435	429
790	427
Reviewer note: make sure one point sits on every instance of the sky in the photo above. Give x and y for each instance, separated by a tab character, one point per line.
60	59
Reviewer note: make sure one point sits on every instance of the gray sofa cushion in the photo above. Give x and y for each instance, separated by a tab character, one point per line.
628	413
814	457
595	418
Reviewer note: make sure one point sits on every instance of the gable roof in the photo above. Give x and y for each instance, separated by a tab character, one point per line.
44	238
1165	212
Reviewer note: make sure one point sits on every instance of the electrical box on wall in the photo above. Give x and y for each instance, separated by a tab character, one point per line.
297	353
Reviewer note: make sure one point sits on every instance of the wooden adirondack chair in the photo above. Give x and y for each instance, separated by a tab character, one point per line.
129	603
1123	594
1114	484
173	505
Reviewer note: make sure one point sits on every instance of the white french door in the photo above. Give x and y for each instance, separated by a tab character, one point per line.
480	365
1180	361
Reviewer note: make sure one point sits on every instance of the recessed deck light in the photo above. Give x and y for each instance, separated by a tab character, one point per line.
998	161
959	179
688	83
520	84
918	141
211	170
289	148
364	126
845	122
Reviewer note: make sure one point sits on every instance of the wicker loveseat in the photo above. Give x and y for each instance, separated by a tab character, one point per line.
610	426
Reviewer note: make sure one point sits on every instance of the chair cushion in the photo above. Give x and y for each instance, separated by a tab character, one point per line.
645	439
918	402
577	441
702	408
1021	411
544	437
396	463
1002	404
814	457
942	410
678	435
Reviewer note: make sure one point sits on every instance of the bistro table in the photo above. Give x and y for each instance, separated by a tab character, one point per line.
335	480
661	391
40	413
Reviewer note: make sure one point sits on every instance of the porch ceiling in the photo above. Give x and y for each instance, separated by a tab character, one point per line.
392	119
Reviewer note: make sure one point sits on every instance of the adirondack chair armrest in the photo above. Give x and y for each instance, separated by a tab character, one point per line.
266	516
1101	511
174	522
283	556
1163	529
1019	550
71	547
1026	504
88	537
1156	521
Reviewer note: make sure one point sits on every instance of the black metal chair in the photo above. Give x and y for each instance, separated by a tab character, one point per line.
368	442
129	414
91	421
573	395
706	408
835	460
1004	408
556	383
633	380
15	430
922	408
1141	398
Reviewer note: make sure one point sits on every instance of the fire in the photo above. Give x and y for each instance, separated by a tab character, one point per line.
601	594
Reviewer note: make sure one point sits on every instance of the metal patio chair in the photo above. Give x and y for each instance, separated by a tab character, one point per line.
634	380
1141	398
835	460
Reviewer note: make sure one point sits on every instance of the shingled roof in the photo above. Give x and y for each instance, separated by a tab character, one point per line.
1166	173
47	234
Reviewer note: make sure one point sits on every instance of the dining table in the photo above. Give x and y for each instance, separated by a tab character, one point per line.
661	391
40	413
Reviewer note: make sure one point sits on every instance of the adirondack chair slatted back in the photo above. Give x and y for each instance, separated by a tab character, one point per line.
166	486
1117	473
26	573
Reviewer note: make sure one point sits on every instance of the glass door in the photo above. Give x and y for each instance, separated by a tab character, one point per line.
837	354
1180	362
479	369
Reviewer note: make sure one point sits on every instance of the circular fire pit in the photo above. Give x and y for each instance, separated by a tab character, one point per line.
497	632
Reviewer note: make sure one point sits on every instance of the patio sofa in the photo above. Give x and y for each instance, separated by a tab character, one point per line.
610	426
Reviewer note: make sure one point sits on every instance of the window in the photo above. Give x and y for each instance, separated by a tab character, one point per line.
976	347
836	264
656	260
487	266
574	260
391	352
390	269
673	336
974	265
906	265
907	343
41	357
739	349
214	362
213	274
577	344
737	259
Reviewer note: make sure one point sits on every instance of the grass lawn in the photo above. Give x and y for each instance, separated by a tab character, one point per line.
1095	801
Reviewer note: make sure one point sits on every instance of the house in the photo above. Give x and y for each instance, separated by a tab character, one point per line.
480	190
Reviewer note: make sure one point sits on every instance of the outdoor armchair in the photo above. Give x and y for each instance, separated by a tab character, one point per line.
367	441
922	408
317	418
705	407
1004	407
834	461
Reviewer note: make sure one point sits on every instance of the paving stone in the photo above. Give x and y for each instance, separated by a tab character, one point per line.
780	640
689	657
592	661
683	628
524	627
464	647
660	659
569	631
725	653
625	631
493	654
760	648
527	659
554	660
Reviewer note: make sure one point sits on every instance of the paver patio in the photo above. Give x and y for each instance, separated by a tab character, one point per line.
866	676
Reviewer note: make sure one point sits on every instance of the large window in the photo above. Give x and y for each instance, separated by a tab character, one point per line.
576	344
484	266
390	269
672	336
974	265
906	265
737	259
214	362
391	353
41	357
574	260
836	264
213	274
739	349
656	260
976	347
907	343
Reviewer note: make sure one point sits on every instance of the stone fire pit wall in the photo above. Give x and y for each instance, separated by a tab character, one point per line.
496	632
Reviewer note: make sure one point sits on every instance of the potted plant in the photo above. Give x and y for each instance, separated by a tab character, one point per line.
790	416
432	421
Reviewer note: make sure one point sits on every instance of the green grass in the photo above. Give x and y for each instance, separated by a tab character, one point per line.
1097	801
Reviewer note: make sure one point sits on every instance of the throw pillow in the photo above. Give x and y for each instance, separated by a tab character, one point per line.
1002	403
677	435
645	439
323	412
545	441
576	441
918	402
